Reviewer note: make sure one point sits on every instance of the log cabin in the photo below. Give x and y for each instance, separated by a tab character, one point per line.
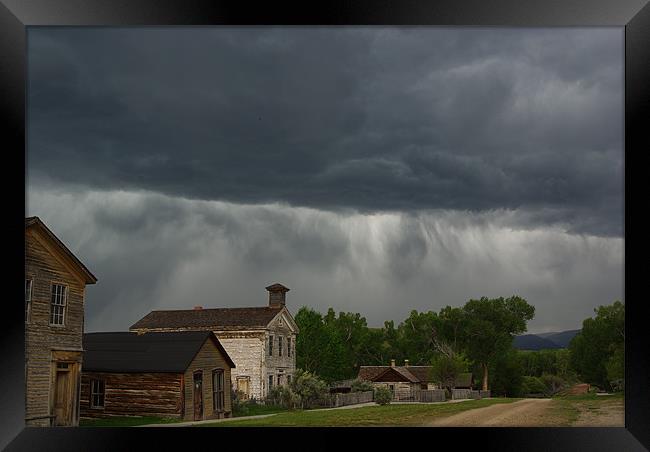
261	340
55	287
182	375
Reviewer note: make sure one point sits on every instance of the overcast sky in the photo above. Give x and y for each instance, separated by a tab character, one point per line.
369	169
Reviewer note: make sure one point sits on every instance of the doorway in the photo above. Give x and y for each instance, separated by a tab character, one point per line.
63	395
198	396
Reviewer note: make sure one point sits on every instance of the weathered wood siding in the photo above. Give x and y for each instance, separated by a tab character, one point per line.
206	360
41	339
134	394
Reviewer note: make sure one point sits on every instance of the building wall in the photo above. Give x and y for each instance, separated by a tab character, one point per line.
134	394
41	339
274	364
206	360
246	349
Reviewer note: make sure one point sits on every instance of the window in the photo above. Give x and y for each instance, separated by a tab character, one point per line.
288	379
217	389
279	345
270	382
279	380
97	390
289	347
57	308
28	298
270	345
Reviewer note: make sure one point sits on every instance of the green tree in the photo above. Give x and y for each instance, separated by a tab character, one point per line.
445	368
598	348
490	326
308	388
506	375
318	348
417	337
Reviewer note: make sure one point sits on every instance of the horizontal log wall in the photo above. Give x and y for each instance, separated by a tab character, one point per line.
134	394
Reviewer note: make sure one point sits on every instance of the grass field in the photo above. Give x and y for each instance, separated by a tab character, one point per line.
254	410
126	421
588	409
387	415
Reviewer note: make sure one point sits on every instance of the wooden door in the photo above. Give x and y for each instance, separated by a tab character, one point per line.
198	396
62	397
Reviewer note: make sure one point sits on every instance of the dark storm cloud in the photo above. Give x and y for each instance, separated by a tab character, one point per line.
371	119
150	251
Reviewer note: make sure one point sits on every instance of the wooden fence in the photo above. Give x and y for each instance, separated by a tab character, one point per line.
468	394
424	395
353	398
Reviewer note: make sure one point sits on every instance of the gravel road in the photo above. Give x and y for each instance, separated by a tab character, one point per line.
524	413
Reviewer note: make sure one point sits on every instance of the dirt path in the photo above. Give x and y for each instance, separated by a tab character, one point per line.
524	413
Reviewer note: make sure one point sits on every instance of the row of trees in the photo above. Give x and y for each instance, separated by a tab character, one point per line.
477	334
477	337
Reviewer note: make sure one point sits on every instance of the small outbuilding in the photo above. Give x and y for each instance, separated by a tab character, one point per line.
172	374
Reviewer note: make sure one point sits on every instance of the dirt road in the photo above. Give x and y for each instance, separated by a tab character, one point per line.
524	413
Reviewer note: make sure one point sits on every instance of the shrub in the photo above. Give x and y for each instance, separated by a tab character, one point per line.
533	385
383	395
361	386
309	389
282	396
553	383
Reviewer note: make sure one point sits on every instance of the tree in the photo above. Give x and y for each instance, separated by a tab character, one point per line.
318	348
598	348
490	326
417	337
383	395
361	386
446	367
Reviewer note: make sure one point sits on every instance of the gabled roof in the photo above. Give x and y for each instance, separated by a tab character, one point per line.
214	318
414	374
150	352
374	373
464	380
74	261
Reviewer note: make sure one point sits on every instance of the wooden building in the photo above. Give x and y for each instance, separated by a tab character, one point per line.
55	287
179	375
261	340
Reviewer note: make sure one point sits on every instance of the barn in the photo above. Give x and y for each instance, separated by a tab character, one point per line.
172	374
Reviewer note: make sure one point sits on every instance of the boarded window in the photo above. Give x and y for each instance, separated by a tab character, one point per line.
57	307
97	390
270	345
218	390
279	345
28	298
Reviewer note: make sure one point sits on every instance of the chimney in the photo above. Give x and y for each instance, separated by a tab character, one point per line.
198	308
277	295
392	363
406	363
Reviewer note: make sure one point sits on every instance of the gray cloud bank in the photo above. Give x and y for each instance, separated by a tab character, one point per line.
152	251
368	119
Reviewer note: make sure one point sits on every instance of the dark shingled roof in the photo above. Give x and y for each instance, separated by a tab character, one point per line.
150	352
217	318
35	221
415	374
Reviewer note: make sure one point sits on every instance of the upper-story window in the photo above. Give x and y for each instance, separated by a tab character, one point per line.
279	345
28	299
270	345
289	347
57	306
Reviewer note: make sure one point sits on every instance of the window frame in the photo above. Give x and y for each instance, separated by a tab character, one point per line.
63	306
28	301
279	345
270	381
94	393
270	345
289	347
219	394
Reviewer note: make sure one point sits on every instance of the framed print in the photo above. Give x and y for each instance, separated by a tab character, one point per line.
325	218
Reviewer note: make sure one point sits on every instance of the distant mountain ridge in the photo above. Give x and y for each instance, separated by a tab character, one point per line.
544	341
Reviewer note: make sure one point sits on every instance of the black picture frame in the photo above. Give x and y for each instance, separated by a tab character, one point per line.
16	15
